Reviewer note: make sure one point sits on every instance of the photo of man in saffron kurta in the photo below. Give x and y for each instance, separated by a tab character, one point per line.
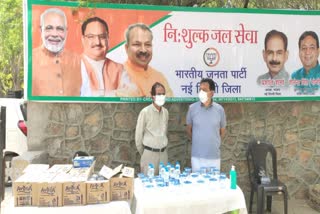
139	50
55	70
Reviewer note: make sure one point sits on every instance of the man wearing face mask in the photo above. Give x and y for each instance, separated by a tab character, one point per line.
206	125
151	130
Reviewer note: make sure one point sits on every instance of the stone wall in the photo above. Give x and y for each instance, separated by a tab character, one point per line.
107	132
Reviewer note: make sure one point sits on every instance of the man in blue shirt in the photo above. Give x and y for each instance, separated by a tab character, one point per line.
206	124
308	77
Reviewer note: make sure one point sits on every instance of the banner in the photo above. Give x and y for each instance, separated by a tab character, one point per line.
252	55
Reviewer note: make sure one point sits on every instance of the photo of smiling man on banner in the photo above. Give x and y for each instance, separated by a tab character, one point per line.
55	70
139	50
101	76
275	55
307	78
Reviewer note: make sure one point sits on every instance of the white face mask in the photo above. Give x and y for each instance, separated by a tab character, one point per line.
159	100
203	97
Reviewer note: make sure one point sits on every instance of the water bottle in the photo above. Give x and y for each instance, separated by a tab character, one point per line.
162	170
178	168
166	177
150	171
233	178
168	165
177	172
171	172
160	166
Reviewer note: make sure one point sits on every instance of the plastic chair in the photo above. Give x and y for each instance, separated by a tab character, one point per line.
257	158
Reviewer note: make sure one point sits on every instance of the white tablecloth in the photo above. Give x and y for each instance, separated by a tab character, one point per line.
114	207
188	199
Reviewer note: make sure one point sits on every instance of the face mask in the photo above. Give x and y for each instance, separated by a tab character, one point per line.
160	100
203	97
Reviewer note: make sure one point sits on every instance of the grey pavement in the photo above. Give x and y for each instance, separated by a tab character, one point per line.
294	206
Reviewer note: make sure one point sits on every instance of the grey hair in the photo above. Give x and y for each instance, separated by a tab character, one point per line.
53	10
136	25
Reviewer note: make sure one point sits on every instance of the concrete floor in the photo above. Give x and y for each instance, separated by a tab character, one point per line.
294	207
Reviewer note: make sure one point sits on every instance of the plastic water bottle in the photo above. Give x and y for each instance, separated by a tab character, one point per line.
233	178
150	171
162	170
177	172
160	166
178	167
168	165
171	172
166	177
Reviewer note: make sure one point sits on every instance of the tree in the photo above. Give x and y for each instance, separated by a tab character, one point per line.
11	45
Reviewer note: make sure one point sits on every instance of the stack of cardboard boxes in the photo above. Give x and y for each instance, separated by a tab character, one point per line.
63	185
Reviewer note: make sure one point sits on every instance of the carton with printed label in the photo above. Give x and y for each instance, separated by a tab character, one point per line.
121	182
50	194
25	191
98	192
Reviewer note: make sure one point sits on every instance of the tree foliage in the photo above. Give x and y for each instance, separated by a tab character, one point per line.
11	45
273	4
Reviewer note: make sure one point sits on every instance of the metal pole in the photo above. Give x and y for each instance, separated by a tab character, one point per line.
2	147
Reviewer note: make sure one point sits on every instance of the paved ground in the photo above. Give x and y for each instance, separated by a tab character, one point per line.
295	206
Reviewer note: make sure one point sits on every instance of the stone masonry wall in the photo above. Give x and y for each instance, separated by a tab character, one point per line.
107	131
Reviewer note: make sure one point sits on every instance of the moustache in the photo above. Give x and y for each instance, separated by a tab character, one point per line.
272	62
54	38
145	54
97	45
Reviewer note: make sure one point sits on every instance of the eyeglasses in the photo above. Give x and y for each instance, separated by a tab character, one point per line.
50	28
92	37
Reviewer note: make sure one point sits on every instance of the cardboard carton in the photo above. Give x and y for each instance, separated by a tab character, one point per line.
74	186
60	168
57	186
36	168
98	192
25	191
50	194
121	182
74	193
121	188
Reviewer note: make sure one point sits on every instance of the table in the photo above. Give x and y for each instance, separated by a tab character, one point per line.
184	199
114	207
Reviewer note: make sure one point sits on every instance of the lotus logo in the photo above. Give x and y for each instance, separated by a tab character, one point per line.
211	57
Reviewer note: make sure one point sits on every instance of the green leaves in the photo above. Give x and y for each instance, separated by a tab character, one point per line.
11	45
